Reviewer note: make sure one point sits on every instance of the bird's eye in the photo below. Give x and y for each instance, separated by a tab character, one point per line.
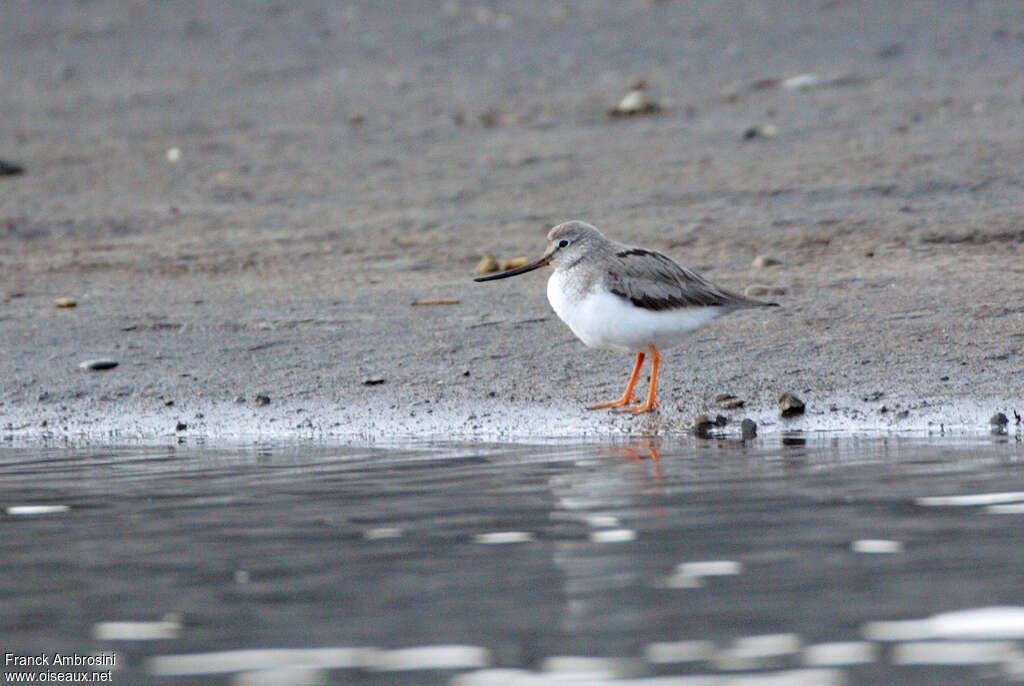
563	243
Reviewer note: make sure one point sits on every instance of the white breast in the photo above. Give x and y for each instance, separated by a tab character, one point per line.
603	320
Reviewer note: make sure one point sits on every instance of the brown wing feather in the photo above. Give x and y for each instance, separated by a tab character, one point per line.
655	282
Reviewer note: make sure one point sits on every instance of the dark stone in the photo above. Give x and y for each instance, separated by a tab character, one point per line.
98	365
10	168
790	405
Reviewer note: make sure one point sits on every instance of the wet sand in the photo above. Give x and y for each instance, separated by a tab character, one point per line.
336	164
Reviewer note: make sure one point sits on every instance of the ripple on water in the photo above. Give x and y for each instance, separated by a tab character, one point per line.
840	653
137	631
983	623
954	652
33	510
256	659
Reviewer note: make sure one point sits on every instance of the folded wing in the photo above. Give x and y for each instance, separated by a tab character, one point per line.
655	282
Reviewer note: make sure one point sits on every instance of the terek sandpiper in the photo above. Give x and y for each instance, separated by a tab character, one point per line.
616	297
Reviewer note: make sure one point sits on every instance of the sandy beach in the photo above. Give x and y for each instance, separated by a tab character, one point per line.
246	200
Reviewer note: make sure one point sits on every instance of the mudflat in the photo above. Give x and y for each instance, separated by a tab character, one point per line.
246	203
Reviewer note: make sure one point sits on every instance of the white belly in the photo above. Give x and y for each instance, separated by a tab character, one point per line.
603	320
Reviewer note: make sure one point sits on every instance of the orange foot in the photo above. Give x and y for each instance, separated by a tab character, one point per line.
651	402
625	400
627	395
638	409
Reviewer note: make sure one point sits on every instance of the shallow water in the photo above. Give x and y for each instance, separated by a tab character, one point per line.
718	558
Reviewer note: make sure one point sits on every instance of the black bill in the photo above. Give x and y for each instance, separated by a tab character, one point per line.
536	264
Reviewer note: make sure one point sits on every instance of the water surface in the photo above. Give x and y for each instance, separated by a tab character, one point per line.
671	557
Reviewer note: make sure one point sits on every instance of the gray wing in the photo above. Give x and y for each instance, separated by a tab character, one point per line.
655	282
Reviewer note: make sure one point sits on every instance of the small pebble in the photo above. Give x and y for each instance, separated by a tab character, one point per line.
261	400
374	381
239	399
756	289
801	82
434	301
790	405
180	426
767	131
490	118
722	397
889	51
486	265
65	302
515	262
701	425
173	154
636	102
748	429
732	404
10	168
95	365
762	261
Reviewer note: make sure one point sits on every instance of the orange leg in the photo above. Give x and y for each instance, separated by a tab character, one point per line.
651	402
627	396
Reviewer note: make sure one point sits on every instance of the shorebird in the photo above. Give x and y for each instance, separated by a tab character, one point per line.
617	297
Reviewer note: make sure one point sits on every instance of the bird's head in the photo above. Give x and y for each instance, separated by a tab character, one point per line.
567	243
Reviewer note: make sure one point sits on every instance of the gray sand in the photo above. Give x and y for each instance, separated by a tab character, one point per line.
337	164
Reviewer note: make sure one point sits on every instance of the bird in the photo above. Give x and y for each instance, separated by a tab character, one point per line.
618	297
